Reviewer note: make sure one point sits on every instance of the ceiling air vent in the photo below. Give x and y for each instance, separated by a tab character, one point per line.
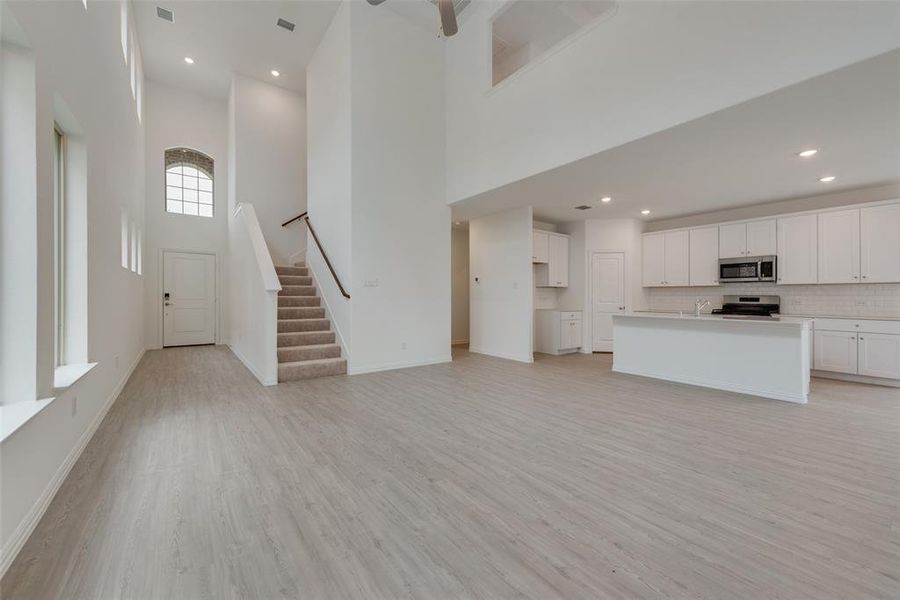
285	24
165	14
582	207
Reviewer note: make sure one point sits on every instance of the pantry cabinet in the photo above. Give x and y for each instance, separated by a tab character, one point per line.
797	249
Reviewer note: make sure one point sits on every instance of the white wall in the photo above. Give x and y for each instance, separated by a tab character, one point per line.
330	175
18	243
501	301
651	66
79	64
388	170
176	118
401	223
459	303
270	160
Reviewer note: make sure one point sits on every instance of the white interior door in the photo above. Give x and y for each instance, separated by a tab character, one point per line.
607	297
189	298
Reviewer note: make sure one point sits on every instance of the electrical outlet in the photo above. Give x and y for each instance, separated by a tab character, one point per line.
74	405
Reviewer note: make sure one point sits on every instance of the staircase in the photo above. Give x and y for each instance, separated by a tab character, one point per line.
306	344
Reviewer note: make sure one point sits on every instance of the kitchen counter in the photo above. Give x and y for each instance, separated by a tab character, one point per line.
768	357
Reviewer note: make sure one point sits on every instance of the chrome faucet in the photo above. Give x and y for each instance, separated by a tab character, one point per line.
700	305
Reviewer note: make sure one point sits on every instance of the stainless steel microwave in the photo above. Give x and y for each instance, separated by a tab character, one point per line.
748	268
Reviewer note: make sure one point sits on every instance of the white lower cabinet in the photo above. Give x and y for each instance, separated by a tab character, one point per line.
557	332
879	355
835	351
858	347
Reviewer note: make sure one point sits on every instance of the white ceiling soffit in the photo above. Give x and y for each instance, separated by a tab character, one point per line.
225	37
742	155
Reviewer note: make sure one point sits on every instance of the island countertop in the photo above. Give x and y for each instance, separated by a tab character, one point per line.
791	321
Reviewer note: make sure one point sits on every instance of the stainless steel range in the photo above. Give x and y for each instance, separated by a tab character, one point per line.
750	306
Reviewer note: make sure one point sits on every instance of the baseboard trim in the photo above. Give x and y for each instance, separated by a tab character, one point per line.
26	527
263	380
717	385
856	378
525	359
399	365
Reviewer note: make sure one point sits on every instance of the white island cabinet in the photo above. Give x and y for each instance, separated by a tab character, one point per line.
760	357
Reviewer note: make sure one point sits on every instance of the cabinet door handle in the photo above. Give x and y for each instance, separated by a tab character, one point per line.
863	276
861	337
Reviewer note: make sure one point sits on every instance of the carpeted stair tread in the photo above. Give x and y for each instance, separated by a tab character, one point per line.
293	371
298	301
286	325
301	312
305	338
309	352
297	290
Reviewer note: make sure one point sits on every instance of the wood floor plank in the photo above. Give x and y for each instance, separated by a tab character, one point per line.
481	478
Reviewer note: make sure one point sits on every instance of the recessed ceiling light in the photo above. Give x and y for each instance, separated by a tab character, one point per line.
827	179
605	199
189	60
275	73
808	153
645	212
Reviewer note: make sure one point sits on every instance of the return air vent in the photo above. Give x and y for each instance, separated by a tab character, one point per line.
285	24
165	14
583	207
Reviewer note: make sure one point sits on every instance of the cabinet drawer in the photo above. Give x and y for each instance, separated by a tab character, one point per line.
860	325
570	316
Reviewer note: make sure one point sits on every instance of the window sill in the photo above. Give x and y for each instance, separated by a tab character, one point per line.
66	375
13	416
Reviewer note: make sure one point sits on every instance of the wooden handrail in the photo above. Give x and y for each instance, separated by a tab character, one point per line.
297	218
305	218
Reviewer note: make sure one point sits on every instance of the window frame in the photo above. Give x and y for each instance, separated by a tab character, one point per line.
59	246
201	170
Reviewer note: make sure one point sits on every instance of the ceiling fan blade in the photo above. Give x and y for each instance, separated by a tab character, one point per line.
375	2
448	17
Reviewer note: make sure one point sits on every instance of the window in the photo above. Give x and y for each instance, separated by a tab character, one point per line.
189	182
59	245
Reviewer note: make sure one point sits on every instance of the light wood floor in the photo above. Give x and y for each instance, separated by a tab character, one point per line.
482	478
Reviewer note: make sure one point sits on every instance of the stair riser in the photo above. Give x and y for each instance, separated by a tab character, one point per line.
301	371
297	290
292	271
305	338
310	353
299	301
311	312
294	280
304	325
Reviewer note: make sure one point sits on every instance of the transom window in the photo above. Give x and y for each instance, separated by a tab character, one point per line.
189	182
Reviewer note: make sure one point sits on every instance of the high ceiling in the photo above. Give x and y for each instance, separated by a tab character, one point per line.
745	154
225	37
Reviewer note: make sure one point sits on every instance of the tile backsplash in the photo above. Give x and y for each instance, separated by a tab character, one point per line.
852	300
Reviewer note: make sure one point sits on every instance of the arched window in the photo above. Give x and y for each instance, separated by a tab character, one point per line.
189	182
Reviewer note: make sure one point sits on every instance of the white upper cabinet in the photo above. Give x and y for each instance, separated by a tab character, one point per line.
756	238
559	261
677	258
704	256
666	259
880	237
732	240
797	249
761	238
838	245
654	259
540	246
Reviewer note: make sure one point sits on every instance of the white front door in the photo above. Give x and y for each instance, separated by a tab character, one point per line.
189	298
607	296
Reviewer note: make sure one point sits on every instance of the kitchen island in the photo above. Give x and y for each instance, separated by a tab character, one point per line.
761	356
